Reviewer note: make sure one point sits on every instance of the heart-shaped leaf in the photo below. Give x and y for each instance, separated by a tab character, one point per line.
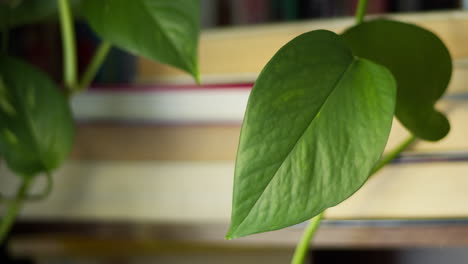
420	63
317	121
36	126
166	31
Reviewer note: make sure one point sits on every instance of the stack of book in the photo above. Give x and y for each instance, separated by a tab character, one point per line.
241	12
163	149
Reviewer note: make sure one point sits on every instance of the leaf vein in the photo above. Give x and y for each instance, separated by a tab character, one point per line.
335	85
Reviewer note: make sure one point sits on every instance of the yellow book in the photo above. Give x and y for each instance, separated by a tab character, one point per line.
239	54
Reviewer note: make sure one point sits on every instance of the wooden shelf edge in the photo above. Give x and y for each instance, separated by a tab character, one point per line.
52	239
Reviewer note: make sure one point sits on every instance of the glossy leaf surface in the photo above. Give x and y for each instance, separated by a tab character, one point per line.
421	65
316	123
166	31
36	127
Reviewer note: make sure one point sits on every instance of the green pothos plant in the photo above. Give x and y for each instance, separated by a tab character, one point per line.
316	124
319	116
36	124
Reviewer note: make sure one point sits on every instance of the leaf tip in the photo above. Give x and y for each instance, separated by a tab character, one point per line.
196	75
229	235
197	79
232	234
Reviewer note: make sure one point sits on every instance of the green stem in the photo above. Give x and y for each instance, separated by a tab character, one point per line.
393	154
69	45
94	65
13	209
361	11
33	197
303	246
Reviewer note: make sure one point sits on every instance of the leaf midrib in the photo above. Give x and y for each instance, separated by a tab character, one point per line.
335	85
31	130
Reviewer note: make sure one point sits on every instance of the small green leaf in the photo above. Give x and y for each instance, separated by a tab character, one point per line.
317	122
162	30
36	126
421	65
20	12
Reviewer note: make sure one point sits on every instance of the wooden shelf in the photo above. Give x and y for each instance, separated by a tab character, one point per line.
54	239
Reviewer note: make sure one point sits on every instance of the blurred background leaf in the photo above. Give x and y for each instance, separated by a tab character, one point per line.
36	126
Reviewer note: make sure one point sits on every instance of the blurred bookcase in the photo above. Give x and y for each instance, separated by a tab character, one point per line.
153	186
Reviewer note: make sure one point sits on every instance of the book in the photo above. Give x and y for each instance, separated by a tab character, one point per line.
105	140
195	192
172	173
148	142
238	54
223	103
249	11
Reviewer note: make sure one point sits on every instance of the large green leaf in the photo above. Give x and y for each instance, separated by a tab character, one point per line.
36	127
166	31
19	12
317	121
420	63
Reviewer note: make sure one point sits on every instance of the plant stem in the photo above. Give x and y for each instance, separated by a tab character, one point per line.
393	154
94	65
33	197
69	45
303	246
361	11
13	208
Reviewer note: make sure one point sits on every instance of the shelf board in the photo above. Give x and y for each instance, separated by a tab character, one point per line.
52	239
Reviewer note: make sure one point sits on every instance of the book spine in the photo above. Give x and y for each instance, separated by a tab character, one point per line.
164	105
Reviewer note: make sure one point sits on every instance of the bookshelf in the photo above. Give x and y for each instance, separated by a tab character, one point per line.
135	188
95	239
238	54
